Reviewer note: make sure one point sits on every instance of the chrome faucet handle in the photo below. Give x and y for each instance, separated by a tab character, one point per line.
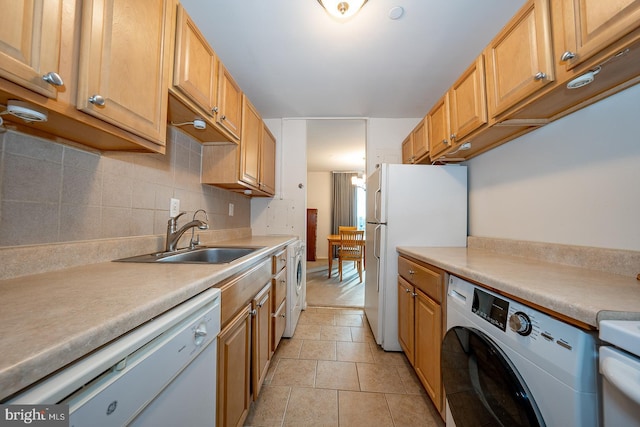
195	241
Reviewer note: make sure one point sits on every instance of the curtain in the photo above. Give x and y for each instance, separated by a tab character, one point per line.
344	201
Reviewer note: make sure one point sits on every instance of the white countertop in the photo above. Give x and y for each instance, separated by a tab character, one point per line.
48	320
584	295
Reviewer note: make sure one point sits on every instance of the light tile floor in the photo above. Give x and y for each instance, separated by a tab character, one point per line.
332	373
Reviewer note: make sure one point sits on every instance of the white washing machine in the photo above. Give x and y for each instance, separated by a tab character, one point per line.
296	286
506	364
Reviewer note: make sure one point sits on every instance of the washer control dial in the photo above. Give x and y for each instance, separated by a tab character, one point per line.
519	322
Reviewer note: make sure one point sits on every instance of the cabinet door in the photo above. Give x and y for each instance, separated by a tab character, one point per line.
250	144
268	161
30	43
407	150
123	73
420	140
260	337
406	318
592	25
196	64
278	325
438	123
468	101
428	332
229	108
519	59
234	364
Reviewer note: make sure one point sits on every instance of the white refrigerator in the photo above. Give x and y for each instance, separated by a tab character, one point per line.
407	205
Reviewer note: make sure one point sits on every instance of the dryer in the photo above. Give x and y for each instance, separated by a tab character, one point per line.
504	363
296	286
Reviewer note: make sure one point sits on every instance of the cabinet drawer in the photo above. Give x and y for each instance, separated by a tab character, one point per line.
278	325
239	291
279	260
428	280
279	288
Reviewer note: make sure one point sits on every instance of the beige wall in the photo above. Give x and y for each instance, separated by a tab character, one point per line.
319	197
55	193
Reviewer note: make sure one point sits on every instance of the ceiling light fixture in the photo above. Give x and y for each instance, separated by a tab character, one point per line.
342	9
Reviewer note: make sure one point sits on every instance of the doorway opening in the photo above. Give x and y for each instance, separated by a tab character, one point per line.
334	146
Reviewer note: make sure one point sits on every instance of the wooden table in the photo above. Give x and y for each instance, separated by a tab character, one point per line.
334	240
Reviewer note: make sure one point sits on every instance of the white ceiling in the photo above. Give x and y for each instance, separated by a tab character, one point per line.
294	60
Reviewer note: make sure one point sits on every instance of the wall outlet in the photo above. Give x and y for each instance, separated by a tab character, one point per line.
230	209
174	208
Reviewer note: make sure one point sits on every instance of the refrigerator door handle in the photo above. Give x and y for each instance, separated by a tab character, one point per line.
376	251
376	200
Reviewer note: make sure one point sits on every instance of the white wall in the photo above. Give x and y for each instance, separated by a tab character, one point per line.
286	212
319	197
575	181
384	140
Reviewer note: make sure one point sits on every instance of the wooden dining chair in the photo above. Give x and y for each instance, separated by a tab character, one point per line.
351	249
346	227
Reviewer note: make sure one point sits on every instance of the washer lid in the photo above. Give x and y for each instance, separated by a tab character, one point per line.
622	333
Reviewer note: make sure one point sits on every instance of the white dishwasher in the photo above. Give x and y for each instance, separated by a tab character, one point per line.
620	369
162	373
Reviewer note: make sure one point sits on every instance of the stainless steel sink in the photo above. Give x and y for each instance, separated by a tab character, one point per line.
201	255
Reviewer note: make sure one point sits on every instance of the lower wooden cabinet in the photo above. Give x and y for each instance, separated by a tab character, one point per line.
428	344
421	323
260	338
234	364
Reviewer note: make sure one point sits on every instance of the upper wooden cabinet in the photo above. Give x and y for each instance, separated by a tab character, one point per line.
124	69
268	161
30	45
195	73
519	60
416	147
248	167
468	102
439	126
250	145
592	25
97	48
229	108
202	87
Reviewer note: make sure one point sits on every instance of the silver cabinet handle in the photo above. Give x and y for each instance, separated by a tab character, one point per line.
540	76
253	312
97	100
53	78
567	56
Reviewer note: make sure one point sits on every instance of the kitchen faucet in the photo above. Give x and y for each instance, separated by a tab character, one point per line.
196	241
174	235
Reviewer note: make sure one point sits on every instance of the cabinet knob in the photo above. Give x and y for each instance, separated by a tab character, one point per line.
452	136
97	100
53	78
412	272
407	290
567	56
540	76
413	294
214	110
253	312
223	117
444	141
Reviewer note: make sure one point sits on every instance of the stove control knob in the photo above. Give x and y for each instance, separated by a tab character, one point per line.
519	322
